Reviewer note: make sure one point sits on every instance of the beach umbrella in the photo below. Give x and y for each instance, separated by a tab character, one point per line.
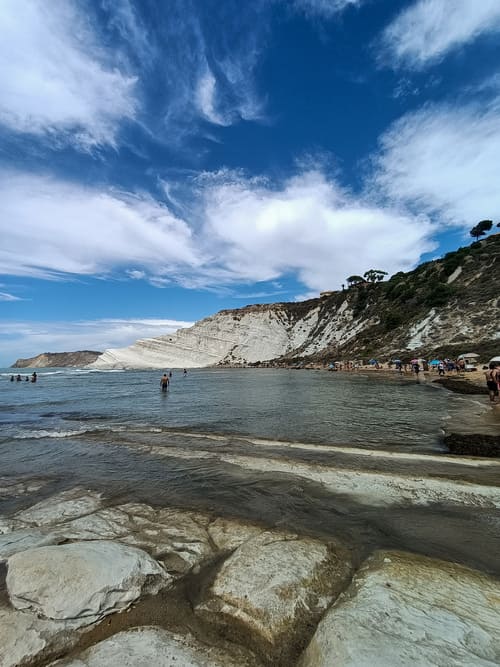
373	361
435	362
397	361
494	360
469	355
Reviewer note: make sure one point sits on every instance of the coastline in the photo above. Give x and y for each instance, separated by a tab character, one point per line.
471	433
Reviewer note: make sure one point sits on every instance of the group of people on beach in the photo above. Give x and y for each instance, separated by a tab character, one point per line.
18	378
165	379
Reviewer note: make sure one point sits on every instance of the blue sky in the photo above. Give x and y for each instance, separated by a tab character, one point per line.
163	159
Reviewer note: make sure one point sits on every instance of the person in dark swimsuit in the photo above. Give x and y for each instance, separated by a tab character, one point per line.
164	382
492	377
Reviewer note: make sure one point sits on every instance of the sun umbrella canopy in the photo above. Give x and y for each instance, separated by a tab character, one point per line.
469	355
373	361
435	362
494	360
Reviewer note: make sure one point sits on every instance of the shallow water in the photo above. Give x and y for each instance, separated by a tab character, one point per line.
118	433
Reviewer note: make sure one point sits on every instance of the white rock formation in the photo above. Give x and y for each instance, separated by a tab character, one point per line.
247	335
147	647
82	581
272	587
24	637
411	611
61	507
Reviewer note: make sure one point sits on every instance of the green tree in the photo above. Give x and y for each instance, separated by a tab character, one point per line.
481	228
374	275
355	280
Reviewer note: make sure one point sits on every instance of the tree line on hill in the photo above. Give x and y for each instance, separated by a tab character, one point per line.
375	275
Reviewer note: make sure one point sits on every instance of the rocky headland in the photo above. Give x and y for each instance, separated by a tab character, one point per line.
58	359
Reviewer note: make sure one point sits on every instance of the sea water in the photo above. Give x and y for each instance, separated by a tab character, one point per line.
118	433
305	406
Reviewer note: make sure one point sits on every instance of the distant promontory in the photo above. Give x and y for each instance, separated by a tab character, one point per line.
60	359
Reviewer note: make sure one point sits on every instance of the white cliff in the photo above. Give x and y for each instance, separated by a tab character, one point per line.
257	333
445	302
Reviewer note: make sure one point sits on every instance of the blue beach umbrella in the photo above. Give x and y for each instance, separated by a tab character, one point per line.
435	362
373	362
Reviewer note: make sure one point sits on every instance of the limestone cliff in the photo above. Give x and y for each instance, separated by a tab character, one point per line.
58	359
443	306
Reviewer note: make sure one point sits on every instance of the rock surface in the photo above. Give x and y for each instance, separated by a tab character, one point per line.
61	507
272	588
82	581
411	611
147	647
24	637
58	359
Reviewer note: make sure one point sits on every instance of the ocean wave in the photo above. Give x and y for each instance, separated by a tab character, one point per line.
72	433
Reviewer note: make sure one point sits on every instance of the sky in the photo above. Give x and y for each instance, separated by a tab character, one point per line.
161	160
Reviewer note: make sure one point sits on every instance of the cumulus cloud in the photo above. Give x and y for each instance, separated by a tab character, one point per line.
444	161
429	29
27	339
308	226
54	78
242	230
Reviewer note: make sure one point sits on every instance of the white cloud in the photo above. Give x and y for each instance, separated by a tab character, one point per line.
5	296
240	230
206	99
429	29
326	8
49	227
308	227
54	78
24	339
444	162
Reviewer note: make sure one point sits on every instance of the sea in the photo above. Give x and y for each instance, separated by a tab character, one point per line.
196	447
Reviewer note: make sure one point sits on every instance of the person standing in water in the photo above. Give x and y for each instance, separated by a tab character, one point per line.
33	376
492	376
185	372
164	382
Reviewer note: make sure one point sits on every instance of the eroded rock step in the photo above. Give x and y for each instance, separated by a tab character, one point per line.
264	595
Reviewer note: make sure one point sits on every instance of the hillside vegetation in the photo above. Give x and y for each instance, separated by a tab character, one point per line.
442	308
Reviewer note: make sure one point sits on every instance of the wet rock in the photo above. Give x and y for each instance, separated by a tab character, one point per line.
460	386
473	444
61	507
82	581
228	534
8	525
177	538
26	538
147	646
272	588
411	611
10	488
25	637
